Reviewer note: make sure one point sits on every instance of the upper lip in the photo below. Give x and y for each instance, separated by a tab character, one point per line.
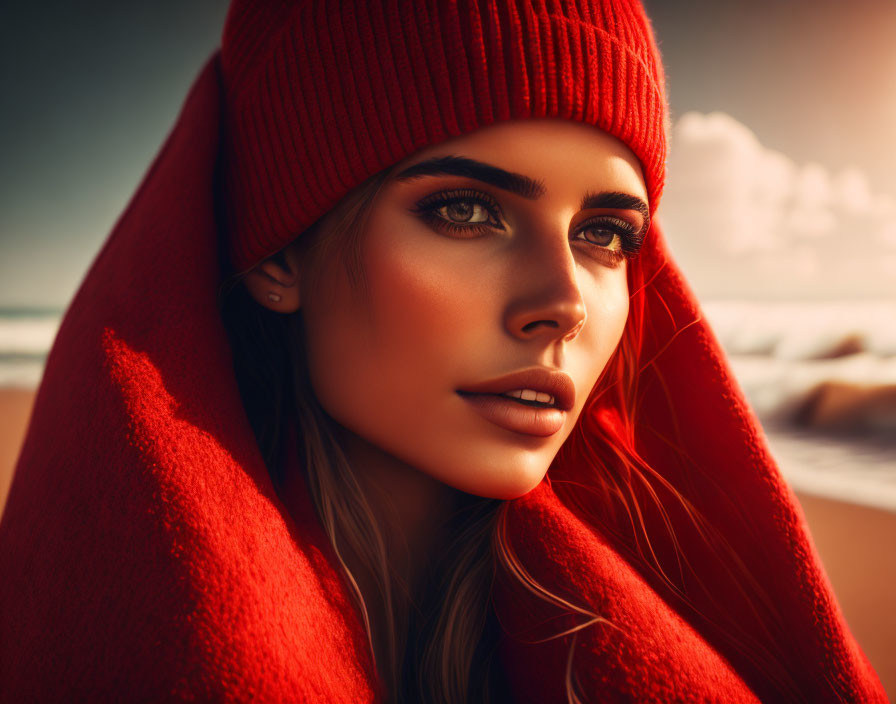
555	383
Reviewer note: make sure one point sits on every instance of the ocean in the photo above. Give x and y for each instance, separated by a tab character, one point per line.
26	335
821	377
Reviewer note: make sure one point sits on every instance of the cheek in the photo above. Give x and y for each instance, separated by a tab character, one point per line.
417	304
368	355
607	303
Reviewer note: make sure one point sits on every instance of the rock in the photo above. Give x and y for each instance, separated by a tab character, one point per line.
840	406
846	346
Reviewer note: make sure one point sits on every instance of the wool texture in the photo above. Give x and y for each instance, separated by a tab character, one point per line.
146	556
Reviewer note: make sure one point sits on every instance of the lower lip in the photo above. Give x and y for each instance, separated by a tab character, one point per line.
510	415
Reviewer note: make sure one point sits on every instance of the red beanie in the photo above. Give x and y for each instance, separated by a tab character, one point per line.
321	95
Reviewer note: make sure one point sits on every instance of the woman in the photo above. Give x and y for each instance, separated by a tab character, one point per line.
320	491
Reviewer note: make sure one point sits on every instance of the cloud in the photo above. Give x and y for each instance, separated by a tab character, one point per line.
748	221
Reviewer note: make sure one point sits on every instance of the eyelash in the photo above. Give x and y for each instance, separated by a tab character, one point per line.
427	209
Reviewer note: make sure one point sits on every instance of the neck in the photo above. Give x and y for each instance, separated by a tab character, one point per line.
412	511
411	508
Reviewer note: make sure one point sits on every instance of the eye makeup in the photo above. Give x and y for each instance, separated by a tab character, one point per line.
469	213
437	210
611	236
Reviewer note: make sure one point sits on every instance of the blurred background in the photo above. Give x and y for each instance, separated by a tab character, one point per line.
780	207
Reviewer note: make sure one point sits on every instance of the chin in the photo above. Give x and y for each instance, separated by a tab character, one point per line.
516	491
506	482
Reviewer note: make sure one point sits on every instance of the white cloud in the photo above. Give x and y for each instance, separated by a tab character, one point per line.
746	220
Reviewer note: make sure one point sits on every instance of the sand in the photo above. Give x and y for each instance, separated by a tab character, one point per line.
15	410
856	546
855	543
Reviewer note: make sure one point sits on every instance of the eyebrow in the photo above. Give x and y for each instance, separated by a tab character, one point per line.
522	185
617	201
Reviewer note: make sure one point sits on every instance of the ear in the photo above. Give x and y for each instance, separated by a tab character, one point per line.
274	283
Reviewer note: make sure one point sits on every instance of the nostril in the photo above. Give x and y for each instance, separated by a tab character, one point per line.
531	326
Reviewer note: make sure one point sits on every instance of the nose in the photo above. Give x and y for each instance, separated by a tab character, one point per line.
547	302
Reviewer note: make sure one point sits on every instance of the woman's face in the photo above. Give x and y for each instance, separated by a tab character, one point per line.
491	255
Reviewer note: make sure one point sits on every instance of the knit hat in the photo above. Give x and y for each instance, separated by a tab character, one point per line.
320	95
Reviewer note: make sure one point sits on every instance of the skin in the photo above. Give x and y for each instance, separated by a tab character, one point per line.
447	309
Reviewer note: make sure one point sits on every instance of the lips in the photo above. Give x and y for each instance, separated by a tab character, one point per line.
555	383
509	414
488	401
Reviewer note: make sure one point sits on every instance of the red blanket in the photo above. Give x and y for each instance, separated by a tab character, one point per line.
145	555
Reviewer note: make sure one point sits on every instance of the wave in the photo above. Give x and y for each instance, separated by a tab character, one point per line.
804	330
27	333
781	390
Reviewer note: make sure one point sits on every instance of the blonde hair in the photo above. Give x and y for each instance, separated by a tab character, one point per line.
443	650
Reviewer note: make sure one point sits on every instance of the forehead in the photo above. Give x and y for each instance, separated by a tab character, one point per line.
565	156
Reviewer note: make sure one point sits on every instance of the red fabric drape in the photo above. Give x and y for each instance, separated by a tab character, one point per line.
145	555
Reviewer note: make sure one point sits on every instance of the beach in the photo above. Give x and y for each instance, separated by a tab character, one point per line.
854	541
15	410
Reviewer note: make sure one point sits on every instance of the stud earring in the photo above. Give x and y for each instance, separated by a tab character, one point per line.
275	297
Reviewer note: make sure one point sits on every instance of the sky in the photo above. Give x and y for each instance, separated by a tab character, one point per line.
781	182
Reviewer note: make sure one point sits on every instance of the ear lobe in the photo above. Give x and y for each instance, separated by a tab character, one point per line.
274	283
